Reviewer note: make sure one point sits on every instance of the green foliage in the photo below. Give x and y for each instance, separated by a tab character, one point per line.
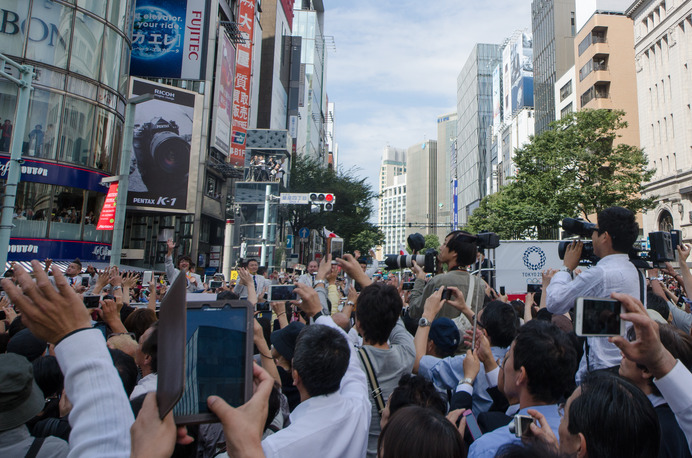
569	171
431	241
352	209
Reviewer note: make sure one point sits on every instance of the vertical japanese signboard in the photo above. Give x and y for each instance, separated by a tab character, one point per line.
223	94
168	39
107	217
241	83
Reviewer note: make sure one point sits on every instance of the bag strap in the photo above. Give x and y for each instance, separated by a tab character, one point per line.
35	447
372	380
471	292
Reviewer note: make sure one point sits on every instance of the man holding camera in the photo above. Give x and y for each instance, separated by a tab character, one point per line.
612	238
458	251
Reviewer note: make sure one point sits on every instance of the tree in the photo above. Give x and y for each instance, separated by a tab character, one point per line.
572	170
352	209
432	241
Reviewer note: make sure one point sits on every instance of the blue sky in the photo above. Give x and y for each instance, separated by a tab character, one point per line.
395	67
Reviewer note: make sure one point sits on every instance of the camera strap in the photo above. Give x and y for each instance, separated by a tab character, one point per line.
376	391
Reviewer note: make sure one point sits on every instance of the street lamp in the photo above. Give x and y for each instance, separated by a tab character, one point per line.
123	177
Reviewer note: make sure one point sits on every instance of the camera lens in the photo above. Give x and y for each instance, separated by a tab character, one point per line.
171	153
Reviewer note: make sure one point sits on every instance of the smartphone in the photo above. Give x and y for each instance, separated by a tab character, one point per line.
3	315
446	294
520	425
282	293
91	302
217	358
215	284
336	248
502	290
85	282
598	317
534	288
472	424
407	286
263	307
147	276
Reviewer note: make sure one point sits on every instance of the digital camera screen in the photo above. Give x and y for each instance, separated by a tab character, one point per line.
601	317
215	358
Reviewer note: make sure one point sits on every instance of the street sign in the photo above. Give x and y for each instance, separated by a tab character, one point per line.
294	198
304	233
289	241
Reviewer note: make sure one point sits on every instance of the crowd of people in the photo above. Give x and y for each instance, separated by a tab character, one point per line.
359	366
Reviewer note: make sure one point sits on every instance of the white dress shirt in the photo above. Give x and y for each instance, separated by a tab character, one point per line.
308	279
333	425
675	388
101	415
613	274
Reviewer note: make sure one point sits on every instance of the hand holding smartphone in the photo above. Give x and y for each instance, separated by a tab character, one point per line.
598	317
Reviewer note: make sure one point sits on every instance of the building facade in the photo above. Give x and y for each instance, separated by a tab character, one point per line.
565	94
446	173
421	188
74	128
553	23
475	114
391	208
663	50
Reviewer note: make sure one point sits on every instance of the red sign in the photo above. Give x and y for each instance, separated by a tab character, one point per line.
241	83
107	218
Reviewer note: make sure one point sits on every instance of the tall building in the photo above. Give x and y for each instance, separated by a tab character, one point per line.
311	110
421	188
553	23
475	113
391	215
446	172
332	145
663	49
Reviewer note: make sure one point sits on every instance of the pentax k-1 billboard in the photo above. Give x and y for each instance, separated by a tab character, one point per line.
165	148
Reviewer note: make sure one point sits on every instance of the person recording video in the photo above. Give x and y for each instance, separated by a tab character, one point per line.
458	251
612	238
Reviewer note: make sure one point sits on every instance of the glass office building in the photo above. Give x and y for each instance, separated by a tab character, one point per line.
80	51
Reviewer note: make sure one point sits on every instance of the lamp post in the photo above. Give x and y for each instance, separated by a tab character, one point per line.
14	172
123	177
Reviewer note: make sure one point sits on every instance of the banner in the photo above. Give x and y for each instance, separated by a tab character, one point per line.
26	249
519	263
40	171
165	147
169	39
107	217
223	94
241	86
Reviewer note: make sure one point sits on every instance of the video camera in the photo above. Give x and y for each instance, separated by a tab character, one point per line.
661	245
163	156
428	261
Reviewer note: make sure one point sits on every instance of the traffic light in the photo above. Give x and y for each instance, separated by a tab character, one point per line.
324	199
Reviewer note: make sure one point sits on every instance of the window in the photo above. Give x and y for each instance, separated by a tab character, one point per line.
213	187
565	91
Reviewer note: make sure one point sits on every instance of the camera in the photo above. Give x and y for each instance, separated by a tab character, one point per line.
427	261
581	228
521	425
578	226
163	156
587	257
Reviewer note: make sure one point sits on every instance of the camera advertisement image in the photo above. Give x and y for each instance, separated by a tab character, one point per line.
161	147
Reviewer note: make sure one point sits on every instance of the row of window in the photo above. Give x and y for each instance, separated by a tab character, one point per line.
597	35
600	90
599	62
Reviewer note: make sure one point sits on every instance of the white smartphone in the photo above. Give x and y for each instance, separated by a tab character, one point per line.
282	293
598	317
336	248
147	276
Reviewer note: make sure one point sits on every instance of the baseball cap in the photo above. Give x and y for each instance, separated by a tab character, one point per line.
284	340
445	335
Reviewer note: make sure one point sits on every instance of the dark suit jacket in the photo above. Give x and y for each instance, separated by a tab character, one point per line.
673	442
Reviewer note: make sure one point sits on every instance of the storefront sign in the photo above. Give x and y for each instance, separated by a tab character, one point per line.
107	218
38	171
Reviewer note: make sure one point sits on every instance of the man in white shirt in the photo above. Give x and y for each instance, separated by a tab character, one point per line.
194	281
309	277
613	237
146	359
334	414
261	284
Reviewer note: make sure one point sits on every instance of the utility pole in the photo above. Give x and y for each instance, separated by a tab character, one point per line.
26	73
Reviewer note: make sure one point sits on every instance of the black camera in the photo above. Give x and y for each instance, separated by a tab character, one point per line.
587	257
163	156
488	240
578	226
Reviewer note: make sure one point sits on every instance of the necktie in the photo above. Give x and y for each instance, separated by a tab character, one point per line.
313	280
254	280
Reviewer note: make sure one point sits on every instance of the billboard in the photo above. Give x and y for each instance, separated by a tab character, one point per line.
517	78
223	94
48	172
169	39
241	86
165	148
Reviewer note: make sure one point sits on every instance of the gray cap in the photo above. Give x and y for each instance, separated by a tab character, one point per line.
20	397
